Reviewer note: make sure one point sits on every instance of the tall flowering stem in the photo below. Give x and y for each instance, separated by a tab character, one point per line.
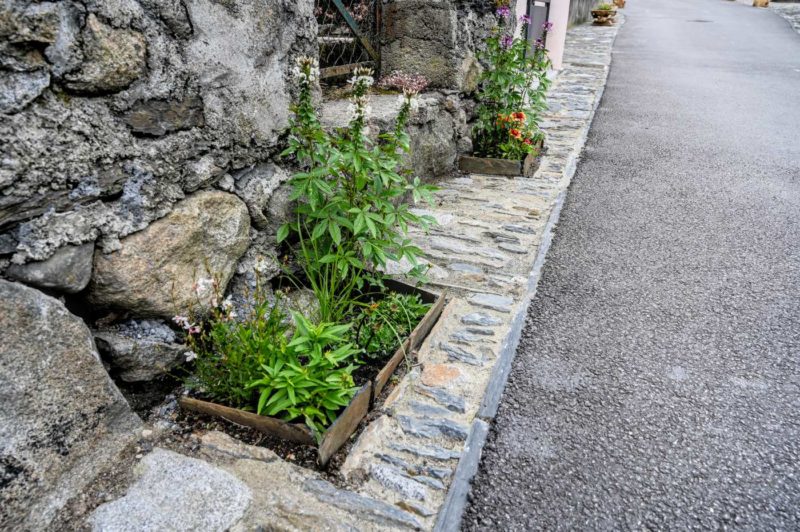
512	92
349	222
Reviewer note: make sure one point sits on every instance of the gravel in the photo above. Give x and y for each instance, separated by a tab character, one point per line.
657	382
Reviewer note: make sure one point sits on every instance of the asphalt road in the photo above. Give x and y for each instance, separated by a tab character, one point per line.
657	383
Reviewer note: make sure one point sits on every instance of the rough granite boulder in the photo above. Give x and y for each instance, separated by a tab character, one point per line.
175	492
434	128
140	350
437	39
255	186
18	89
156	271
68	270
113	58
62	420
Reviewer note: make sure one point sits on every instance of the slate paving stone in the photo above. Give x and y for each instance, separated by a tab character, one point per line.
358	504
493	302
424	427
450	401
455	353
426	451
479	318
394	479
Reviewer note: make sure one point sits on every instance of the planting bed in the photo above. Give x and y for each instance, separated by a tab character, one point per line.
363	401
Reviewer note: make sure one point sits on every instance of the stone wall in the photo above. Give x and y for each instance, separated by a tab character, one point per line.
436	38
138	139
140	142
580	11
115	111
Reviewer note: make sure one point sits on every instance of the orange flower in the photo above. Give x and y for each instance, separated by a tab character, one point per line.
527	141
515	133
519	117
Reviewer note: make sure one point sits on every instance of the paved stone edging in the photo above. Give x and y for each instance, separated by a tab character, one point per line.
789	11
410	468
449	518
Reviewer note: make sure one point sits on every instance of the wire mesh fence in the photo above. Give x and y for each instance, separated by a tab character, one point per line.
348	35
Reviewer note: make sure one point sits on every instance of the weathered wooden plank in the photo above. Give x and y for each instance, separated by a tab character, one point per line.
268	425
341	70
338	433
385	373
531	164
488	165
413	341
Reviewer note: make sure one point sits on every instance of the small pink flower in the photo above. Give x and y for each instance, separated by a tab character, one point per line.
193	329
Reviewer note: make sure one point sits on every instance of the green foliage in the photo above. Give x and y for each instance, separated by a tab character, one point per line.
605	7
383	325
350	217
229	353
248	362
311	377
511	97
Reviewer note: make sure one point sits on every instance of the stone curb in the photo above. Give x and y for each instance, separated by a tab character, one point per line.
450	515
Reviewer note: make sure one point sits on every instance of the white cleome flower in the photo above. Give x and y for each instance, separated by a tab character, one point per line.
190	355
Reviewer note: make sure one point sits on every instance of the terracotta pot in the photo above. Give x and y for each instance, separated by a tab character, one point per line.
604	17
619	3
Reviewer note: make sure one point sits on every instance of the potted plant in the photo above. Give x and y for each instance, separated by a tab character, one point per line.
604	15
315	383
507	139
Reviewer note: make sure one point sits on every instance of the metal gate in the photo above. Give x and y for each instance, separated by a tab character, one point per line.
539	11
348	35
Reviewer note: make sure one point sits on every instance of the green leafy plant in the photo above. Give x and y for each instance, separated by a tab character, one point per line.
311	378
350	218
605	7
512	92
383	325
229	351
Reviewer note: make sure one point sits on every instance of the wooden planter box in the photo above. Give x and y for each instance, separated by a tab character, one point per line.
492	166
344	426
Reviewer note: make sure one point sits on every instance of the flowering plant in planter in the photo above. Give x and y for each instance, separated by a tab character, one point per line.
512	92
